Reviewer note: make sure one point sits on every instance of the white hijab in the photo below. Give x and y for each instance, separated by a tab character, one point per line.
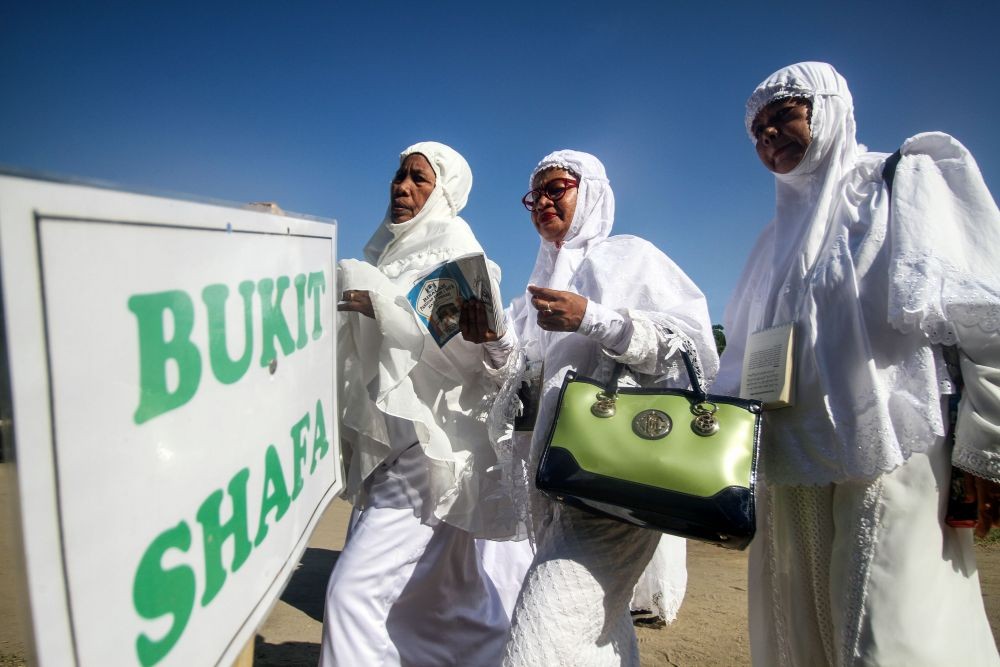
436	233
860	288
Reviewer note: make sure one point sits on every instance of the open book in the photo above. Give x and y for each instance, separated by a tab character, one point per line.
438	296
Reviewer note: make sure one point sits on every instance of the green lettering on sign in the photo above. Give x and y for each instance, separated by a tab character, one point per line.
298	453
317	286
157	592
155	351
272	319
226	370
215	533
320	444
275	495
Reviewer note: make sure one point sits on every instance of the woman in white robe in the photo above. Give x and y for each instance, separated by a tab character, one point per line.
853	563
593	300
424	474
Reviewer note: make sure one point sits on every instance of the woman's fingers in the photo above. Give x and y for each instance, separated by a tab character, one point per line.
356	301
474	323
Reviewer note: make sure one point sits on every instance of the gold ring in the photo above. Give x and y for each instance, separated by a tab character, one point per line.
548	307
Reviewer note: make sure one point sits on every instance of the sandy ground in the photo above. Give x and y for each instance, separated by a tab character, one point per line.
710	631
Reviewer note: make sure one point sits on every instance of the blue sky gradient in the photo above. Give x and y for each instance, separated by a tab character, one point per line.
309	103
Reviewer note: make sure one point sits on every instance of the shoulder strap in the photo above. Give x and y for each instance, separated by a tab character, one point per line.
889	169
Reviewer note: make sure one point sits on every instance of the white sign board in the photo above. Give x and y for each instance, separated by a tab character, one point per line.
172	371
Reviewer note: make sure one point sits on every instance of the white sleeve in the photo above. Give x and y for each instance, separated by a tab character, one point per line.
606	326
498	351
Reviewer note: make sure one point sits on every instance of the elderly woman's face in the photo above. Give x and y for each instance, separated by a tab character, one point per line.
411	186
552	219
783	134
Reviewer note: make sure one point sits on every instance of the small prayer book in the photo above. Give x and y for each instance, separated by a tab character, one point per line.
767	367
437	296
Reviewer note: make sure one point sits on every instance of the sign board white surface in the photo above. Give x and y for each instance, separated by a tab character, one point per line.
172	370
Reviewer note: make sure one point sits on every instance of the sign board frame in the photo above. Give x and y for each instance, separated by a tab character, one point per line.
69	255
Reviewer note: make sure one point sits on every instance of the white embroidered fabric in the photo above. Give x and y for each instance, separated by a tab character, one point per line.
871	288
865	573
574	609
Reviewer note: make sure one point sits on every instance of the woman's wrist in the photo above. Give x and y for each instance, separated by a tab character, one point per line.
499	349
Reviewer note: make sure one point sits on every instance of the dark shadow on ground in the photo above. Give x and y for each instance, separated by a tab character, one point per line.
288	654
306	590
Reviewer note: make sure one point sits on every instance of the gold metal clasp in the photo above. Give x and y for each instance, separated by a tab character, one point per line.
604	407
705	422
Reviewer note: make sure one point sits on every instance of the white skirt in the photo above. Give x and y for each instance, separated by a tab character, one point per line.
407	593
867	573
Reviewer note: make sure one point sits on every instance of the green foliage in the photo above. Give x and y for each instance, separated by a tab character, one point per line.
720	338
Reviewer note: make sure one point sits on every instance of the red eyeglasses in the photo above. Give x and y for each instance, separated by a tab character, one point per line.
554	190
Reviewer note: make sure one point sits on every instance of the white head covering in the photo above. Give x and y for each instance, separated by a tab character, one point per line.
436	233
805	195
867	380
592	220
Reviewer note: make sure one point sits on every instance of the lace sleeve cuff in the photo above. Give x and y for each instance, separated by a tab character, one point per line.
642	347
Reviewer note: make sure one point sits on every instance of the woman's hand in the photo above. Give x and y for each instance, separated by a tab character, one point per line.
987	497
356	301
558	310
473	323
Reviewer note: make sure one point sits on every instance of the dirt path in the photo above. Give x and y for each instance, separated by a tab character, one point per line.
710	630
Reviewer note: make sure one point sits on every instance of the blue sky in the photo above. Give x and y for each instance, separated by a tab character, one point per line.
309	103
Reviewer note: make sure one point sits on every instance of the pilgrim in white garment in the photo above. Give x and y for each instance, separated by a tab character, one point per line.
594	300
853	563
424	439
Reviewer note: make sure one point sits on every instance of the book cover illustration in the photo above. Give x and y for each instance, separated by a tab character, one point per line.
438	296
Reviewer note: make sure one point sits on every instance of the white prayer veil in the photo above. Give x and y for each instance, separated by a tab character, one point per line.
859	286
417	243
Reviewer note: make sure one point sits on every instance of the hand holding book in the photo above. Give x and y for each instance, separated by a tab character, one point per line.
356	301
442	296
474	323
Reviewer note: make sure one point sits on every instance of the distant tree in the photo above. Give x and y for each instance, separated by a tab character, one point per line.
720	338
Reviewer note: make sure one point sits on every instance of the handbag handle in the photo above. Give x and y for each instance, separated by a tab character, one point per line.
611	388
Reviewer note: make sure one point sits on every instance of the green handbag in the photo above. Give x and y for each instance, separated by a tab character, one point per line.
680	461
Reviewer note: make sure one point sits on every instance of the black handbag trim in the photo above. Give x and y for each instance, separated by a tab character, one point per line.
733	506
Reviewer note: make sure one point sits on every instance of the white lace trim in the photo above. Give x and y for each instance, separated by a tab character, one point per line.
764	96
498	410
936	308
643	344
977	462
419	260
655	336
